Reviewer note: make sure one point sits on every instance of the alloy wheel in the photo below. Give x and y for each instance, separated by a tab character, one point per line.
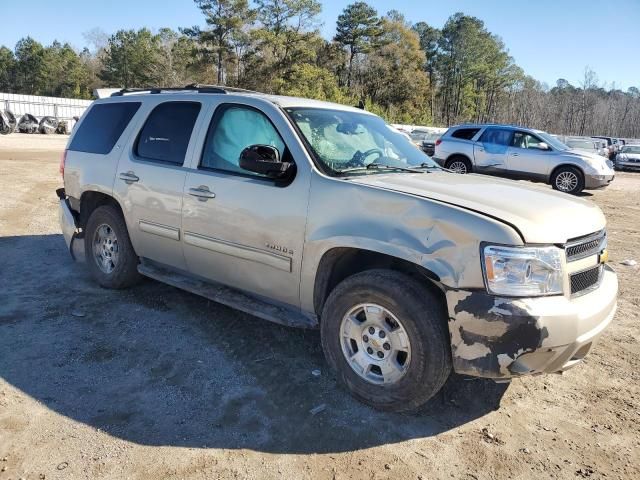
458	167
566	181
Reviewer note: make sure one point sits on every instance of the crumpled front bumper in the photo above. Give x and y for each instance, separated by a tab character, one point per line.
68	225
500	338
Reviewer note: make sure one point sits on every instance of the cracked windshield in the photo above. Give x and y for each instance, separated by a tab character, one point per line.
356	143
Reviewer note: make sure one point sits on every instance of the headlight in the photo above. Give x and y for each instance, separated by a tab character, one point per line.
599	165
522	271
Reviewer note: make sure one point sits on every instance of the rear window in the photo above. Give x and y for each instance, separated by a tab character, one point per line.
166	133
465	133
102	127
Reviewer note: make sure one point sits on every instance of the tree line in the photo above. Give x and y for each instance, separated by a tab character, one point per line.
406	72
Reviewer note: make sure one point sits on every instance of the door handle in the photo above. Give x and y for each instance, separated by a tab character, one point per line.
515	154
202	192
129	177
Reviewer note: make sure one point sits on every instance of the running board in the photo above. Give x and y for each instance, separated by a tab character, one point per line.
230	297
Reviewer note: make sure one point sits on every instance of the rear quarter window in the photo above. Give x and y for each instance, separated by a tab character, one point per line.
465	133
167	131
102	127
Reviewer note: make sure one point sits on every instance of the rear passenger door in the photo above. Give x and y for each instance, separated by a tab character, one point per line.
490	151
151	175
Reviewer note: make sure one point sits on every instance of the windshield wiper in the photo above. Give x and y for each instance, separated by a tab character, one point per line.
378	166
427	166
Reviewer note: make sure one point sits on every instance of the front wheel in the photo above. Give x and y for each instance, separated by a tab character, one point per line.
568	180
385	335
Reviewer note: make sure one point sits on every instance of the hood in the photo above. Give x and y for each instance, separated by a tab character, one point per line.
635	156
540	214
575	152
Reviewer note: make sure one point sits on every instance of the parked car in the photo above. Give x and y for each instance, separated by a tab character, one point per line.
317	215
598	145
603	149
576	143
628	158
523	153
611	145
425	140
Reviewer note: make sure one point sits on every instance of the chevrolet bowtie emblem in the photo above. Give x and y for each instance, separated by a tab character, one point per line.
604	256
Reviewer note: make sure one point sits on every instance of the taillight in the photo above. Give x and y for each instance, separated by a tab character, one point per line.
63	159
438	142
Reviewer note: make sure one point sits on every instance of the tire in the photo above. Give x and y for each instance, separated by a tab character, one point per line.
458	164
419	312
568	180
122	271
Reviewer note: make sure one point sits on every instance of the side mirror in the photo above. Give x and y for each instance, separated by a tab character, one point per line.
543	146
265	160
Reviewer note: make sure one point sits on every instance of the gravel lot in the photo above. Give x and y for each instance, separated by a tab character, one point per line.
157	383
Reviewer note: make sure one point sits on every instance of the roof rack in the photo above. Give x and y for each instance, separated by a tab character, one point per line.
194	87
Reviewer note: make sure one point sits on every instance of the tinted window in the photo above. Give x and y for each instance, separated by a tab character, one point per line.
496	136
102	127
233	129
166	133
465	133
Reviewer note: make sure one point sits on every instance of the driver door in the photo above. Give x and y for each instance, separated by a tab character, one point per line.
243	229
526	159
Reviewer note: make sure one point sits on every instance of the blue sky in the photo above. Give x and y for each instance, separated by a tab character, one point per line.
549	39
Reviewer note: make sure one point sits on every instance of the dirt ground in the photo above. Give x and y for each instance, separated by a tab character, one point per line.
157	383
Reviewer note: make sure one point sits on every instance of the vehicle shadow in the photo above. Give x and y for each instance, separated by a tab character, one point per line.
158	366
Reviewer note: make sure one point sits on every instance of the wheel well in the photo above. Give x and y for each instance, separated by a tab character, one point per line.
91	200
563	166
339	263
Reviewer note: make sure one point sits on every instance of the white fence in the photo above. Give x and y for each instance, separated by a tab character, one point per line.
61	108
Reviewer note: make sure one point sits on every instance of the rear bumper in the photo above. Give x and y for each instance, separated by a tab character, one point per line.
592	182
68	225
502	338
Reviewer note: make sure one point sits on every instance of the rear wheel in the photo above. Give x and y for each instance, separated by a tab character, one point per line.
568	180
458	164
108	250
385	335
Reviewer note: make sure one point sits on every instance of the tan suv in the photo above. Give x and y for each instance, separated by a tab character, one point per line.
313	214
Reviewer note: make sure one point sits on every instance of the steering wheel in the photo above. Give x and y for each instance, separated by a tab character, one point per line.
358	159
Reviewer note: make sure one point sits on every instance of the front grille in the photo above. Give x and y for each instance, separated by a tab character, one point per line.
586	280
586	246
